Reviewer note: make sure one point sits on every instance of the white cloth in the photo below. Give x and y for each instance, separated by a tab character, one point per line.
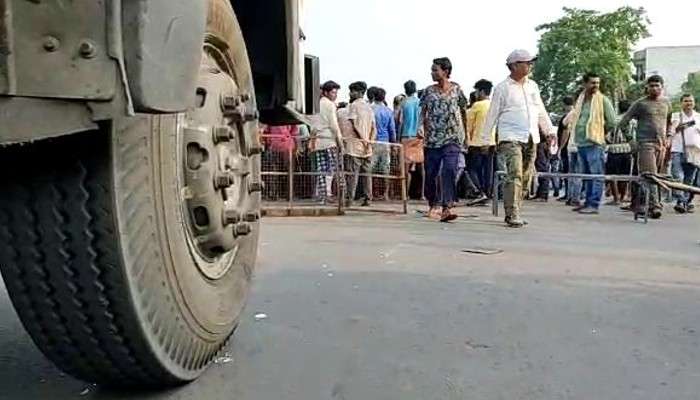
326	129
518	113
692	134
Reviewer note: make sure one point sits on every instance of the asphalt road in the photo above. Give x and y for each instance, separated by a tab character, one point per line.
389	307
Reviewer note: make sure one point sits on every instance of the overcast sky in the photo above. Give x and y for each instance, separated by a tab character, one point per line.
386	42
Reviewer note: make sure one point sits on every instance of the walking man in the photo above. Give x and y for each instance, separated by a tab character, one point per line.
592	118
326	142
442	109
359	135
653	116
519	114
386	134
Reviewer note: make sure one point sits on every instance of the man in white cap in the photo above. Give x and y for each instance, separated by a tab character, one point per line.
519	115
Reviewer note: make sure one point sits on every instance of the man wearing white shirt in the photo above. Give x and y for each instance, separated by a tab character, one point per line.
519	115
326	142
685	149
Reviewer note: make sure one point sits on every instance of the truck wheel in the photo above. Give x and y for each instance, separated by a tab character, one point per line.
128	252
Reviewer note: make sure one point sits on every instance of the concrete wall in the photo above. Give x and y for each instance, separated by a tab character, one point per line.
673	63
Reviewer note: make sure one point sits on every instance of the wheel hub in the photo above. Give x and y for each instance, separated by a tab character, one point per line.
216	164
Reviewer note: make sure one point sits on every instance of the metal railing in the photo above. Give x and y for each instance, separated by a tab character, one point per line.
299	181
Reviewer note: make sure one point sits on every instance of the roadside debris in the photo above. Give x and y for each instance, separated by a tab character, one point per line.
224	359
471	345
260	317
483	251
88	389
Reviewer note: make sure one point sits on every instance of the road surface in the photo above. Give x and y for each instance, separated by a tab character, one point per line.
390	307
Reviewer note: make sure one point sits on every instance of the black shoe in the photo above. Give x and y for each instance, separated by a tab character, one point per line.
366	203
690	208
680	208
655	214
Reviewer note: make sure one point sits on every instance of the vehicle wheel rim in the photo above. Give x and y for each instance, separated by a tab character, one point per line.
216	166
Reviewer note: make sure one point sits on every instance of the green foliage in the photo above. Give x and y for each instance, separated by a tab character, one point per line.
692	86
588	41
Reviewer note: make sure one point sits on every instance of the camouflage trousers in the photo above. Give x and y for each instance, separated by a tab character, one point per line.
519	161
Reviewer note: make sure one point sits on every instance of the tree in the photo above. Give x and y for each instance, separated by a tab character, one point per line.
588	41
692	86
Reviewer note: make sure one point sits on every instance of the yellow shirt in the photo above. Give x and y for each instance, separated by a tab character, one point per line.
476	118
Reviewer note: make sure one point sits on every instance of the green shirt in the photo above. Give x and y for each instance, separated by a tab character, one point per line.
610	122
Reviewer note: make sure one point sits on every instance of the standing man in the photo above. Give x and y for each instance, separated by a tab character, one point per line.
442	113
653	116
519	113
592	119
386	133
326	143
408	126
566	146
685	149
481	151
359	134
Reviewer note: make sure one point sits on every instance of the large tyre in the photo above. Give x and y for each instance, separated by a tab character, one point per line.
128	252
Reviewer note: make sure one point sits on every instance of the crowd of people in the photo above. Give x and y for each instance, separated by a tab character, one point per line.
457	142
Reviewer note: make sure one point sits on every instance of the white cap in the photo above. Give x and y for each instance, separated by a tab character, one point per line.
520	55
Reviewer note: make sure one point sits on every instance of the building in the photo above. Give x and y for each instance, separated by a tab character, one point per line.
673	63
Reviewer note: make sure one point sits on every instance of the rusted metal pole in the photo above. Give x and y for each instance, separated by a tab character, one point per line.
404	189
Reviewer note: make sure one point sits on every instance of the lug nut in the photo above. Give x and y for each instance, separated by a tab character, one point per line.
51	44
250	116
241	114
254	150
254	187
223	180
87	49
222	134
244	97
242	229
251	216
231	217
229	102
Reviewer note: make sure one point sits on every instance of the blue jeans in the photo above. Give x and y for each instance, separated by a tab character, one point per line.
683	172
574	185
592	160
442	162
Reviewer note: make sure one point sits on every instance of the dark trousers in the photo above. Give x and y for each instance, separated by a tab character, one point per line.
480	167
542	164
442	162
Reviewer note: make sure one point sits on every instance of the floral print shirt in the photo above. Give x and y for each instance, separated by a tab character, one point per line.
443	121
